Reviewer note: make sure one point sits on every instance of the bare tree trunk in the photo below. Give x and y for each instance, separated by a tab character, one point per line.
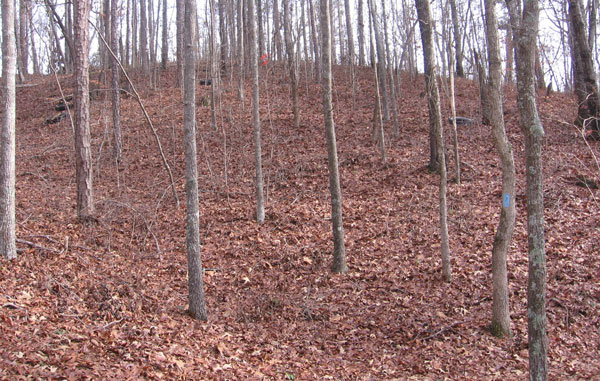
196	298
525	30
500	325
315	43
276	30
127	34
34	56
435	122
460	72
361	34
214	75
223	38
240	18
585	85
83	152
258	181
339	248
510	54
143	36
8	247
483	95
165	37
261	34
291	60
390	72
180	47
349	32
116	98
453	109
23	37
424	15
381	72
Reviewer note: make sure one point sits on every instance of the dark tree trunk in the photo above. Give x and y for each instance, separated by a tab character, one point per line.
460	72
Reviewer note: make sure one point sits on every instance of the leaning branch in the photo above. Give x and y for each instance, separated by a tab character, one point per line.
139	100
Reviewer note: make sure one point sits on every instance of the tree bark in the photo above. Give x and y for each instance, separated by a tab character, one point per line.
7	143
460	72
361	34
197	303
180	48
500	325
165	37
315	42
240	19
381	72
143	36
289	47
435	123
83	151
339	248
116	97
525	29
585	76
258	180
349	32
424	15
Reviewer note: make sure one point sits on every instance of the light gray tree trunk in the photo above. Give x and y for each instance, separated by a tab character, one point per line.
435	122
276	30
143	36
196	298
23	37
116	98
500	325
315	41
241	77
339	248
381	72
258	180
261	35
525	29
7	143
83	151
214	66
349	32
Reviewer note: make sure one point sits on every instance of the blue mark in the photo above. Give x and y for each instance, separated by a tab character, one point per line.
506	200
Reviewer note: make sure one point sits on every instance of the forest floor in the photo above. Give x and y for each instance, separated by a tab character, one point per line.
109	300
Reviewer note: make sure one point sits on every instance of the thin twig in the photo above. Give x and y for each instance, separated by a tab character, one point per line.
139	100
36	246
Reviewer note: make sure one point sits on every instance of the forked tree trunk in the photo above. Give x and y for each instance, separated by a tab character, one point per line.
83	151
339	248
500	325
8	247
196	298
435	122
525	28
258	180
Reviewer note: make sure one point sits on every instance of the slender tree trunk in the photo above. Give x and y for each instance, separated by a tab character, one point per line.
435	122
223	38
390	73
143	36
349	32
83	152
361	34
315	43
424	15
8	247
24	37
134	34
586	85
276	30
196	298
240	18
116	98
34	56
460	72
339	248
258	181
127	33
214	71
483	94
510	54
381	72
165	37
525	28
179	40
453	109
261	34
291	60
500	325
